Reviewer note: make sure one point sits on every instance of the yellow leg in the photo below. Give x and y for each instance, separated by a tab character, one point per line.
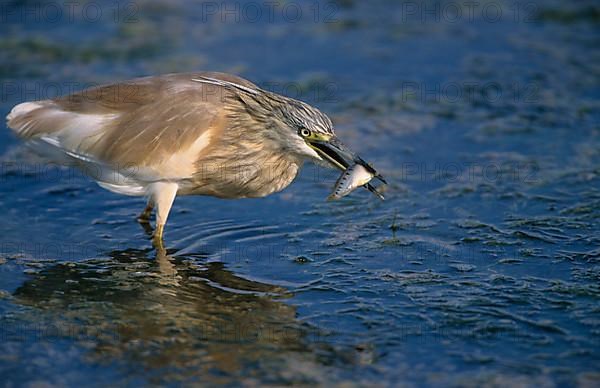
157	238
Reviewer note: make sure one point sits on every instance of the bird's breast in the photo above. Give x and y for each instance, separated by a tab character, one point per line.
238	176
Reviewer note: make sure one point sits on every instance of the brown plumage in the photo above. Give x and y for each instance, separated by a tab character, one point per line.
195	133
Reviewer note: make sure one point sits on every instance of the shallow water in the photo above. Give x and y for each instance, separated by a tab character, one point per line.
482	267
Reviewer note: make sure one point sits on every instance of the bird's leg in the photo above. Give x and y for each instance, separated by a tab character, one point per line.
157	238
144	217
163	194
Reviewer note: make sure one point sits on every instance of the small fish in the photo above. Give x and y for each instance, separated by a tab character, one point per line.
354	176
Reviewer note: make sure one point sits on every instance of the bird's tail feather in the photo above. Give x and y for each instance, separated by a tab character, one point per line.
32	119
56	135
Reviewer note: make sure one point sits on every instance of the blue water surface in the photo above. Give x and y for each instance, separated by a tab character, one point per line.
480	268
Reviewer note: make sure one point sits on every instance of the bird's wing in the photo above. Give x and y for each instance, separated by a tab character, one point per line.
153	125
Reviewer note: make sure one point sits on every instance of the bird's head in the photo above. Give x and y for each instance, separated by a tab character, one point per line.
310	134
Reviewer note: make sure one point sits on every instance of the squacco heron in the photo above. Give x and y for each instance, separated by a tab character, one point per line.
182	134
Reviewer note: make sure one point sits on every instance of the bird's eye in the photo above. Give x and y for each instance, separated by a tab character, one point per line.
304	132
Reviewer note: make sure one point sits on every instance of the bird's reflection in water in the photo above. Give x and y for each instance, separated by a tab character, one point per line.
176	316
